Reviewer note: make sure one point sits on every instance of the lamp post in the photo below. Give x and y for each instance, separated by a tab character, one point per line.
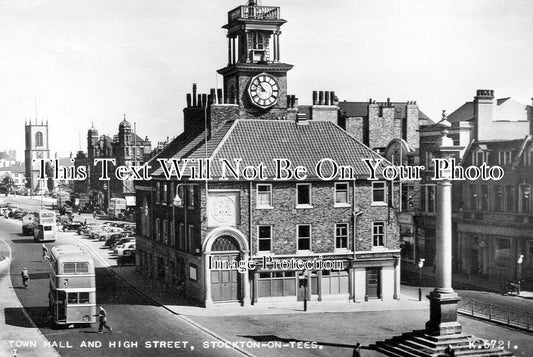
420	266
519	272
304	273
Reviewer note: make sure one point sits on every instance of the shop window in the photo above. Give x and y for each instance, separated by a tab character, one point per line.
503	252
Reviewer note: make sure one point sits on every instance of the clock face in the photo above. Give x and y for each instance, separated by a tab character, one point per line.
263	90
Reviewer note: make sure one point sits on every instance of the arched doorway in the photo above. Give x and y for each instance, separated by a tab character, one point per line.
225	282
222	246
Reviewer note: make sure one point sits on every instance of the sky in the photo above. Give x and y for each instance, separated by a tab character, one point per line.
80	62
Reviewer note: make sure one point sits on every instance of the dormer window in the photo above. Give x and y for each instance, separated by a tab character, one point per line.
505	158
479	157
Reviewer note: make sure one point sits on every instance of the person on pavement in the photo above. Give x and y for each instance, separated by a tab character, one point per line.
102	314
25	277
45	252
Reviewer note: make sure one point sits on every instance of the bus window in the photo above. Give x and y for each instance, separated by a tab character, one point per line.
69	268
72	298
47	228
82	268
83	298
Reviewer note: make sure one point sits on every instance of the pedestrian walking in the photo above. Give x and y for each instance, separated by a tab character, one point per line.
102	314
45	252
357	350
25	277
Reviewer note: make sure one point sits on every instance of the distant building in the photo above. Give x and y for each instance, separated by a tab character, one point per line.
37	147
495	220
126	147
8	158
475	124
16	175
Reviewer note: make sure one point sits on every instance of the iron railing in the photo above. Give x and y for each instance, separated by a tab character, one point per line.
495	313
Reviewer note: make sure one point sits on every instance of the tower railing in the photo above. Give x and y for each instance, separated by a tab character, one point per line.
254	12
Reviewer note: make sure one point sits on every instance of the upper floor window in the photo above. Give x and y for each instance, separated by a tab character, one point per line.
504	157
473	197
191	238
341	194
39	139
378	234
510	198
525	198
264	196
479	157
164	194
157	229
172	233
498	198
157	192
165	231
484	197
192	196
303	194
341	236
264	234
379	192
304	237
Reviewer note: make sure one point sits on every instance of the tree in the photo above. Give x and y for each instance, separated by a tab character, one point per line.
8	183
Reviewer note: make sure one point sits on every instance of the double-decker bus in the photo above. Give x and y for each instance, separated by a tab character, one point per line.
44	226
72	296
117	208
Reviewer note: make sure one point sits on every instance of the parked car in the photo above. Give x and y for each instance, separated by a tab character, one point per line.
127	259
121	249
113	239
72	226
108	233
122	241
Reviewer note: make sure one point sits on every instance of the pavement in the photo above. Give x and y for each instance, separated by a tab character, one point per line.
23	334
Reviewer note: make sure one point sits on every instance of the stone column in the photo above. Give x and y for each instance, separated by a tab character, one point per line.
443	299
208	301
246	283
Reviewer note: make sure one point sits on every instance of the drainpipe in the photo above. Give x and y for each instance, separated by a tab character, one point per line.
354	228
250	241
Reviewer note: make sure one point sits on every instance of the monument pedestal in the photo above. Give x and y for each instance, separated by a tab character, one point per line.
443	314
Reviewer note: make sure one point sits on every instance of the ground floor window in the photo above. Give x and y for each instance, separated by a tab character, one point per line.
334	282
503	251
281	283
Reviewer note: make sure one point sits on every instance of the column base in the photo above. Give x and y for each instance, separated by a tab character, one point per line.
443	314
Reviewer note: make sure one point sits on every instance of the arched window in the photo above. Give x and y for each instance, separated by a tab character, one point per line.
38	139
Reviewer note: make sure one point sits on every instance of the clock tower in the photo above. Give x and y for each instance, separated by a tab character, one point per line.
254	78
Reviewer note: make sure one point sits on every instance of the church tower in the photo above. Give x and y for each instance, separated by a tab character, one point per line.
254	78
36	148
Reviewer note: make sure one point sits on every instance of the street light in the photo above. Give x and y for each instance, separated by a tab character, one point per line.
519	272
420	266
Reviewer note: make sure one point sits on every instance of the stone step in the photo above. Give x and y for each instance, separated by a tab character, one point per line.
394	351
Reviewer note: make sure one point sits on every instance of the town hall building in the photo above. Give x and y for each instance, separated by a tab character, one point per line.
261	212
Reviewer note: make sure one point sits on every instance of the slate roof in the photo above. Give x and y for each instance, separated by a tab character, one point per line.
360	109
261	141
